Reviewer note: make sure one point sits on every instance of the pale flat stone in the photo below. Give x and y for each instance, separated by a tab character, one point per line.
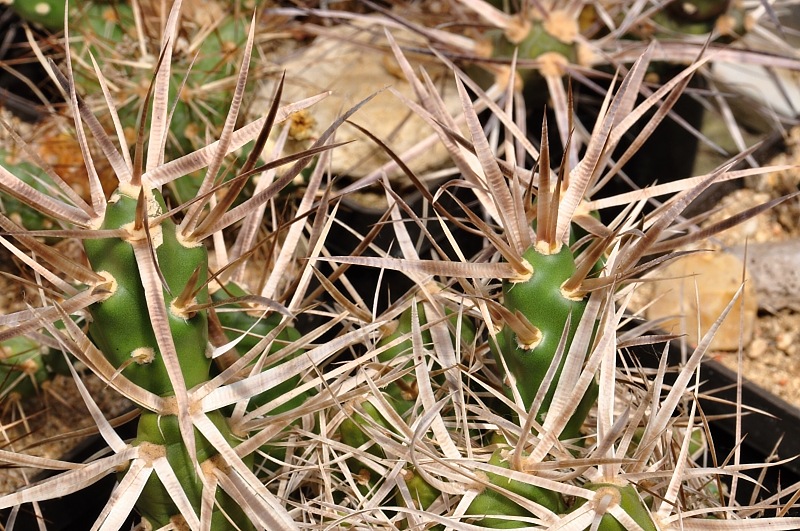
354	62
702	285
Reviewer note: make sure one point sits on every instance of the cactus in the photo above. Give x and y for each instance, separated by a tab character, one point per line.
120	327
480	405
626	497
147	296
491	503
202	70
400	394
403	390
247	330
546	46
552	318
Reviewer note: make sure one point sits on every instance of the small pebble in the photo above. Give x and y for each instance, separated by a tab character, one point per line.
757	347
784	341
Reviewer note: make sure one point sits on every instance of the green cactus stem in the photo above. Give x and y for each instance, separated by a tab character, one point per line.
107	19
27	364
351	432
249	329
537	42
401	394
122	329
121	325
23	367
491	503
47	13
161	435
422	493
541	300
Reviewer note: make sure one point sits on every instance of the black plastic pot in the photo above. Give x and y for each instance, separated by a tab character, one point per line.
770	436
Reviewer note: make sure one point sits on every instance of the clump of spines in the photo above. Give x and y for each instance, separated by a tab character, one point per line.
203	70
